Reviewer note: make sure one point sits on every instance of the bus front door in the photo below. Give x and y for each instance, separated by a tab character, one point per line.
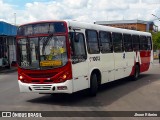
79	61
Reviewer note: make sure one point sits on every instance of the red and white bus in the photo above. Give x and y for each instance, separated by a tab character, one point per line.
69	56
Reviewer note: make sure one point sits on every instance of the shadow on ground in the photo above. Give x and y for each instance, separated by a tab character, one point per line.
107	94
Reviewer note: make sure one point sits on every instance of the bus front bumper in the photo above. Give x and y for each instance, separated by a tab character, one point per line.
65	87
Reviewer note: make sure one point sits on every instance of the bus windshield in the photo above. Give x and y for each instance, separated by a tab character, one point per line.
42	52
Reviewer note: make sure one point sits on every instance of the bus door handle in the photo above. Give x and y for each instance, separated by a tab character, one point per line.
86	77
109	71
116	69
76	78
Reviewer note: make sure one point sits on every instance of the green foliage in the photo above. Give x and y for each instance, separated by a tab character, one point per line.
156	40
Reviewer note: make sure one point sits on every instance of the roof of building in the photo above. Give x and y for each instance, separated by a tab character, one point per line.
7	29
124	22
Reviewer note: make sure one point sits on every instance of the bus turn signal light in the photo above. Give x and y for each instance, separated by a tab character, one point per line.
64	76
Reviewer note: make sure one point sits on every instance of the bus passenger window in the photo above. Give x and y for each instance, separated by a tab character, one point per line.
92	42
149	43
105	42
117	42
143	43
127	42
135	39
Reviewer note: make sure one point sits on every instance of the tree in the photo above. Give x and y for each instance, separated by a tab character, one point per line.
156	40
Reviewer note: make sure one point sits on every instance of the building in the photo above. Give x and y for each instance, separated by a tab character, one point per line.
139	25
7	44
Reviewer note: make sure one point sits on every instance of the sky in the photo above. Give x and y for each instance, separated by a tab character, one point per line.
24	11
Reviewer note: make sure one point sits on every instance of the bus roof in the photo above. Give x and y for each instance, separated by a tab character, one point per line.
37	22
82	25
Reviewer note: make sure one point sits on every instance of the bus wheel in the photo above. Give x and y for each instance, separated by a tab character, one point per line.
93	85
136	73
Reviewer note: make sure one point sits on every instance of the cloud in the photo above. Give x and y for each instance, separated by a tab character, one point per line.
78	4
5	12
108	5
80	10
151	1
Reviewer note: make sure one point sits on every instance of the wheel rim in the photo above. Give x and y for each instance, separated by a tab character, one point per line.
137	72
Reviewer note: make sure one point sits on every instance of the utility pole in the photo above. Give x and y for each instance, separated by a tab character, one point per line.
14	18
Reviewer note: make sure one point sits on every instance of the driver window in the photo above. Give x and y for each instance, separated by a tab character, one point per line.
77	47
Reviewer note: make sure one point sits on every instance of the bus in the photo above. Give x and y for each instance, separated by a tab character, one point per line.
69	56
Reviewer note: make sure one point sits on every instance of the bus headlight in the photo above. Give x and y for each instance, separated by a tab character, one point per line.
21	77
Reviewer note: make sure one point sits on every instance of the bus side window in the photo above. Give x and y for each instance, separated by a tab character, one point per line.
143	43
105	42
135	39
149	41
117	42
128	42
92	41
78	47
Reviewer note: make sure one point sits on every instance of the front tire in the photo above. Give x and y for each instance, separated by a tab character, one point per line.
93	85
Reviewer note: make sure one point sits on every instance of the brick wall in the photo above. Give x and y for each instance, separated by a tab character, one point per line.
139	27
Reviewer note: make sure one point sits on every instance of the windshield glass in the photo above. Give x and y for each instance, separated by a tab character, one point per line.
42	52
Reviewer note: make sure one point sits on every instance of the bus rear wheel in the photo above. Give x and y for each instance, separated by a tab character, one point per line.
93	85
136	73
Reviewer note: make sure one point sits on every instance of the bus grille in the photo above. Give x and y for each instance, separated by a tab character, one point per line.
41	87
41	75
